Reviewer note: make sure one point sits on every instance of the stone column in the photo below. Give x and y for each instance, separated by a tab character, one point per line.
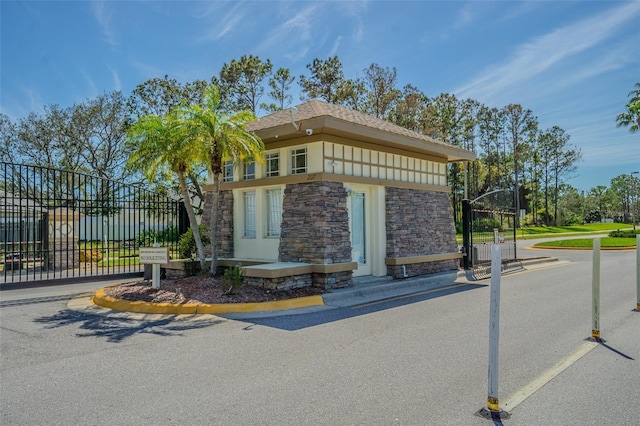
225	223
315	229
419	223
64	252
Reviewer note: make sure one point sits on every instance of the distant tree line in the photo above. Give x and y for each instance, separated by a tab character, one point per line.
512	150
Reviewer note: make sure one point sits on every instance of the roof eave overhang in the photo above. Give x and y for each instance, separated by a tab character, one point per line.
333	126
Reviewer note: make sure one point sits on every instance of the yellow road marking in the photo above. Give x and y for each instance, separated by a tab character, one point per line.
533	386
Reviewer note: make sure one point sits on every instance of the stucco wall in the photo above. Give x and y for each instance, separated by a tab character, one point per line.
419	223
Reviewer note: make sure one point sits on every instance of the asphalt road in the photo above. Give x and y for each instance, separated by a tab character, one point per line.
419	360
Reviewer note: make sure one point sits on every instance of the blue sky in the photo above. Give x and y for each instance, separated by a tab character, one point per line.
572	63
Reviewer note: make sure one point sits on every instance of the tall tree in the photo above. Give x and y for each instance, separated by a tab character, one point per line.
490	131
280	84
382	92
563	162
325	81
47	139
520	126
623	186
224	138
570	206
160	146
159	96
100	125
352	94
242	82
408	111
8	138
596	203
445	118
631	117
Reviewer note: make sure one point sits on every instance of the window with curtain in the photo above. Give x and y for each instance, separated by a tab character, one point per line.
249	214
274	212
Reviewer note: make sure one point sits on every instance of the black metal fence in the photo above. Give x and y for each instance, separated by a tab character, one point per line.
59	224
487	221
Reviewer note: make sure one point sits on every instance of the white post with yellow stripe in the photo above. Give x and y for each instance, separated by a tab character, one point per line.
492	410
595	291
638	272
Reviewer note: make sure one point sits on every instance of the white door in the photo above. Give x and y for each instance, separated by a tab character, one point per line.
359	227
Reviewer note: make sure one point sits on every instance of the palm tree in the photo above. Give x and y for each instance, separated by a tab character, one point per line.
631	117
161	146
225	138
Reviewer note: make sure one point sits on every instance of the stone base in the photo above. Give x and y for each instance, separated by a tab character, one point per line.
425	268
335	280
281	283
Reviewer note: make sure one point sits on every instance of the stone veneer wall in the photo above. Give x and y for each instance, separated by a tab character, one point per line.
419	223
225	219
315	229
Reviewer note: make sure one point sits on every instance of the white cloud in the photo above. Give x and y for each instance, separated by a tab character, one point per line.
103	15
221	21
93	89
292	36
465	16
543	53
117	84
336	45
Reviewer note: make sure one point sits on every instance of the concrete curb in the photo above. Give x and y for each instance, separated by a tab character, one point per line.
100	299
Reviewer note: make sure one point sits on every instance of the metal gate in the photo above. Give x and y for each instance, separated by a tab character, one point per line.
488	220
59	224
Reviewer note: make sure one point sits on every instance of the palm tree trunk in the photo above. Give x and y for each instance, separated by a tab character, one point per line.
193	222
214	224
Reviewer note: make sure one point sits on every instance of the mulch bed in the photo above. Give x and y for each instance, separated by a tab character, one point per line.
201	290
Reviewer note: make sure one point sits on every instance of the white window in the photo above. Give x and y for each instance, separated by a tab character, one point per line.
274	212
227	171
249	170
299	161
273	164
249	214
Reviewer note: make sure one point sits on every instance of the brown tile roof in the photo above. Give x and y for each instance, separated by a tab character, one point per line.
315	108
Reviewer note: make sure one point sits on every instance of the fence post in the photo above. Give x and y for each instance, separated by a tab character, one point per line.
466	229
595	291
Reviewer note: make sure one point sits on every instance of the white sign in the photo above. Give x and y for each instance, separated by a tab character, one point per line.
154	255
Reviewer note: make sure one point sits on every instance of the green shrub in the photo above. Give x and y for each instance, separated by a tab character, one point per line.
187	244
147	238
624	234
170	234
233	278
458	227
486	224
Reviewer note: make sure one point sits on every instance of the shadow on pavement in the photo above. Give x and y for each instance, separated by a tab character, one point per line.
301	321
614	350
117	329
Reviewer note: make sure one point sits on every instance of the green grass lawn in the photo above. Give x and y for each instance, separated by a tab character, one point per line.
530	232
123	261
587	243
589	227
